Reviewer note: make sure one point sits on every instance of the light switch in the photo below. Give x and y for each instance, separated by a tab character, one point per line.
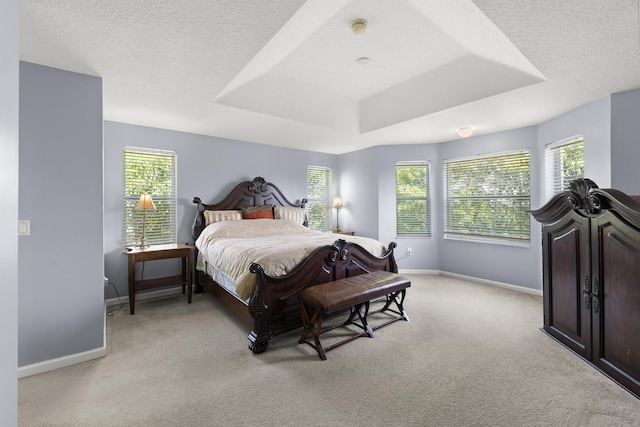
24	227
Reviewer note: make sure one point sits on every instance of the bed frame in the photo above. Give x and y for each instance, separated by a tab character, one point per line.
273	308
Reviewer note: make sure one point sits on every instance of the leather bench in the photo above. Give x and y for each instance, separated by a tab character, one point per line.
354	293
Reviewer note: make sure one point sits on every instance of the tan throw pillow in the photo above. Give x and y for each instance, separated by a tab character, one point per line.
216	216
296	215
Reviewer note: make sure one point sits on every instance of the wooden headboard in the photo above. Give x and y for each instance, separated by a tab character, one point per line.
256	192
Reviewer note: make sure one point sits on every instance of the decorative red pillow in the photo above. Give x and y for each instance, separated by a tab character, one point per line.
258	215
257	212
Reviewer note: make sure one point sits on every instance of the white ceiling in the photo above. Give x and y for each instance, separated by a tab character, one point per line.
284	72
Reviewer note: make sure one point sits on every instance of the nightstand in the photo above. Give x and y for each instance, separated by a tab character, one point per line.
348	233
156	252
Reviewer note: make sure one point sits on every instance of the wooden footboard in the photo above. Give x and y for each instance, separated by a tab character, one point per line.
274	306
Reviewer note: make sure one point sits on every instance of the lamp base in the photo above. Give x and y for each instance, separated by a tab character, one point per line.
337	229
143	243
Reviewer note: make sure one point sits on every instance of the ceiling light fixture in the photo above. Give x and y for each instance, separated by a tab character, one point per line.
363	60
358	26
465	132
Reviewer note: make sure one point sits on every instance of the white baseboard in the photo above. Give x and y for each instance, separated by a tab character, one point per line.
410	271
144	296
474	279
61	362
536	292
72	359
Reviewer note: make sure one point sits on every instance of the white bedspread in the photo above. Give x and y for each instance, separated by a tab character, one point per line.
277	245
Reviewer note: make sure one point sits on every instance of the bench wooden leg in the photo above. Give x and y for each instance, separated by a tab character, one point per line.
362	315
312	327
397	298
400	303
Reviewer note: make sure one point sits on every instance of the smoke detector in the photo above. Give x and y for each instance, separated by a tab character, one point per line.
358	26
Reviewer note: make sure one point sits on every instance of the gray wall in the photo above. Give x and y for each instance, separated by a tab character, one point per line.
207	167
625	141
9	213
61	267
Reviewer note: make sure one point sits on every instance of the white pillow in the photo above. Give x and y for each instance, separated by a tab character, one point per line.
216	216
296	215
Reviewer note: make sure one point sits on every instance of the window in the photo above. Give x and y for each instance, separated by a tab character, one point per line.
564	162
413	209
487	197
152	172
319	197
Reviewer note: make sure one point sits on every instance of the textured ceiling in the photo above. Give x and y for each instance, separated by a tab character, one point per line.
285	73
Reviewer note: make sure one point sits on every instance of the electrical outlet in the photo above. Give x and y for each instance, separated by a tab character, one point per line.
106	282
409	251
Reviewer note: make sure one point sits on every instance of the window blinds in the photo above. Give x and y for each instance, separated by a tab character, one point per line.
413	209
152	172
488	196
319	184
564	162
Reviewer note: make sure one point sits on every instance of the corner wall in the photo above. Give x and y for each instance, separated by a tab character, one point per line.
358	188
61	292
367	187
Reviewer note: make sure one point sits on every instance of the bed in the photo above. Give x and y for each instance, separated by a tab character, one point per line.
276	257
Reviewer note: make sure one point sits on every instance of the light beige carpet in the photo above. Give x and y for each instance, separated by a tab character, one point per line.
472	355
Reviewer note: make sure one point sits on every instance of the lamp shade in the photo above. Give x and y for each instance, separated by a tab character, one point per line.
337	202
145	202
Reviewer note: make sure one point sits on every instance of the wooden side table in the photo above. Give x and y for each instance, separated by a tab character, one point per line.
156	252
348	233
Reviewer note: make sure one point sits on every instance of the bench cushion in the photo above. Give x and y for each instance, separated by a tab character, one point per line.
350	291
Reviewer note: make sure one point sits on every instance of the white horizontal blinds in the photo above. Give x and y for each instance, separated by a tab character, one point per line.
564	162
319	200
152	172
488	196
413	209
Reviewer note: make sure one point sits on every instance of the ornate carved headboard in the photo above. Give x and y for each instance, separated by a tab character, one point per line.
256	192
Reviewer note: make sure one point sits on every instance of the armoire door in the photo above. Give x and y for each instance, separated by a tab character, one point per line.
567	278
616	300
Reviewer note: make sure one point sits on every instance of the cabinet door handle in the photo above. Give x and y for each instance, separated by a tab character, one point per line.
586	292
595	294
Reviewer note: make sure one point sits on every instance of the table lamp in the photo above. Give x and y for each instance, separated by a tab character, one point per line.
145	202
337	203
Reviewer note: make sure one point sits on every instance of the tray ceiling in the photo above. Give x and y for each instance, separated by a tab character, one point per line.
286	73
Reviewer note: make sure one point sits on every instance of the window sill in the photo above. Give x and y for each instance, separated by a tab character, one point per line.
489	240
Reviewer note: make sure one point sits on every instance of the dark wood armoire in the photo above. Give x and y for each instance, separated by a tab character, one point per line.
591	277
